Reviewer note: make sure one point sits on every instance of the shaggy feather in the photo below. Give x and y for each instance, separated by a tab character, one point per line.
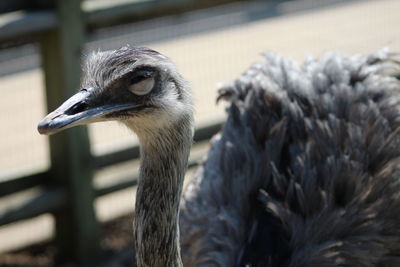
305	171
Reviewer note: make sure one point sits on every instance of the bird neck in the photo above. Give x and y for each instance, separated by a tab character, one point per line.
164	157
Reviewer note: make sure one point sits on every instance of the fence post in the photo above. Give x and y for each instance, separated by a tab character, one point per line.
77	231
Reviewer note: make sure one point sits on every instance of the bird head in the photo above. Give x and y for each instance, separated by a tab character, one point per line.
137	86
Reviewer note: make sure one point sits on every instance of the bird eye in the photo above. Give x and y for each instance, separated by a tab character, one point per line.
138	78
142	83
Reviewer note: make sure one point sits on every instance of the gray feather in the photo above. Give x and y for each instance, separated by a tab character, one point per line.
313	149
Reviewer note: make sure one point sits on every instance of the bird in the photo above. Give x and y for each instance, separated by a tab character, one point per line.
305	171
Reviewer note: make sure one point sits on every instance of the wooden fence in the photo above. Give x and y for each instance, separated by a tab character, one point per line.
66	188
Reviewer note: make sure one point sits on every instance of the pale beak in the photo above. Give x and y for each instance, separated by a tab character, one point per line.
77	110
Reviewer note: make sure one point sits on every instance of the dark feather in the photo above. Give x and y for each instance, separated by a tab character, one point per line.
305	171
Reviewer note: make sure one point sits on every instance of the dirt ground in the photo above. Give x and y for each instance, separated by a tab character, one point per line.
116	244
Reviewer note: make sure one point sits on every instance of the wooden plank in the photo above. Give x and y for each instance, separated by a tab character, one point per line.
111	13
116	157
203	133
115	11
22	24
199	150
21	183
128	182
207	131
9	6
33	204
77	230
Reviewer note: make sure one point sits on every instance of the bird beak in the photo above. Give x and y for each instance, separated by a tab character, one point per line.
77	111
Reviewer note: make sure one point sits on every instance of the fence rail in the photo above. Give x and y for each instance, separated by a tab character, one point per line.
49	199
66	190
23	24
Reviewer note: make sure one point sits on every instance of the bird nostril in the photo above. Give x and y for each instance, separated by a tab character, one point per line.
77	108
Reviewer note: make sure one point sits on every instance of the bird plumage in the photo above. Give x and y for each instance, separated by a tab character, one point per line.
305	171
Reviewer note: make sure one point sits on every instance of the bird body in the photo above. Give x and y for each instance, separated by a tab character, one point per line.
304	173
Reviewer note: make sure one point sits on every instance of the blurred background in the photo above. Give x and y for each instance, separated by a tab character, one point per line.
69	199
